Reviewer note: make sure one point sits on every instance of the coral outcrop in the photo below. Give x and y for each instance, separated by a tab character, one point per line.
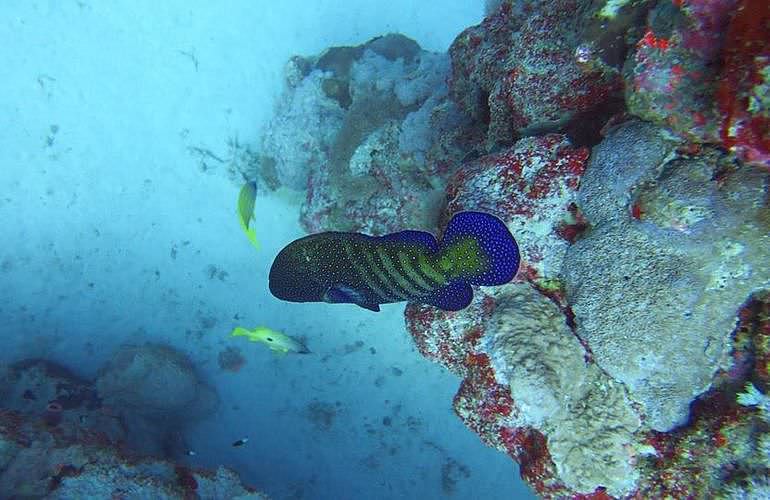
59	440
517	71
356	128
585	416
610	366
154	380
156	391
38	461
702	69
677	244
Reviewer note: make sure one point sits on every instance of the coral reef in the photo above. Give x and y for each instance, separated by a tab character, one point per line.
155	390
60	399
356	128
677	245
58	439
570	386
675	78
301	131
517	70
526	378
743	93
40	462
583	414
610	367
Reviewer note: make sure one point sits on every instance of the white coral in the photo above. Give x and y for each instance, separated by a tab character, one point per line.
753	397
585	416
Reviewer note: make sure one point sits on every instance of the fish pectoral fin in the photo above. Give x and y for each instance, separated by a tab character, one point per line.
369	306
343	294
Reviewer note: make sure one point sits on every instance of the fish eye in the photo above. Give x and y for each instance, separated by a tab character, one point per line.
269	339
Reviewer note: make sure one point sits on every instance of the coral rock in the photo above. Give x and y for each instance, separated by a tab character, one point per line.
588	423
517	70
359	129
744	87
655	291
531	187
674	76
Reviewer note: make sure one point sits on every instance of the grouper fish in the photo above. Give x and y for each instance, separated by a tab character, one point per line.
353	268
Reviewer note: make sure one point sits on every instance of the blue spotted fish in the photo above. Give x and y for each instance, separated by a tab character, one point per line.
355	268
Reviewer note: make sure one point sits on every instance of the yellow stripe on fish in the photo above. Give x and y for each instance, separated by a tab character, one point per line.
364	274
406	265
394	292
394	273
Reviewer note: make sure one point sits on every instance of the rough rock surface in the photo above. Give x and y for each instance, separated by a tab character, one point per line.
63	462
585	416
154	380
58	440
300	133
702	69
517	70
358	128
531	187
677	244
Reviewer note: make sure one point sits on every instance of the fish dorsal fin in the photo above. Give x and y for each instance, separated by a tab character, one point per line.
421	238
452	297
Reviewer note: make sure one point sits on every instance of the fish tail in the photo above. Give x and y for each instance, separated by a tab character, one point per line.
250	233
478	248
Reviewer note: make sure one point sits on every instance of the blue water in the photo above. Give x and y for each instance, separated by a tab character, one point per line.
113	232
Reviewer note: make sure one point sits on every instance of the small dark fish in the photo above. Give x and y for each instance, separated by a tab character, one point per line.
240	442
355	268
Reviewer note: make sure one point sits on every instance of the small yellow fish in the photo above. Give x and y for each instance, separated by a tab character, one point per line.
277	342
246	211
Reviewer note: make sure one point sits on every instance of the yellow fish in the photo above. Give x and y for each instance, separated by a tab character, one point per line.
246	211
277	342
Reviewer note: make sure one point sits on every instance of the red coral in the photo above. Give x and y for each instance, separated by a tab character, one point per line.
516	72
746	57
650	40
445	336
529	448
672	79
186	480
481	403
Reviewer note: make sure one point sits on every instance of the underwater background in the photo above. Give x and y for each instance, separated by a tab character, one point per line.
155	158
114	233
